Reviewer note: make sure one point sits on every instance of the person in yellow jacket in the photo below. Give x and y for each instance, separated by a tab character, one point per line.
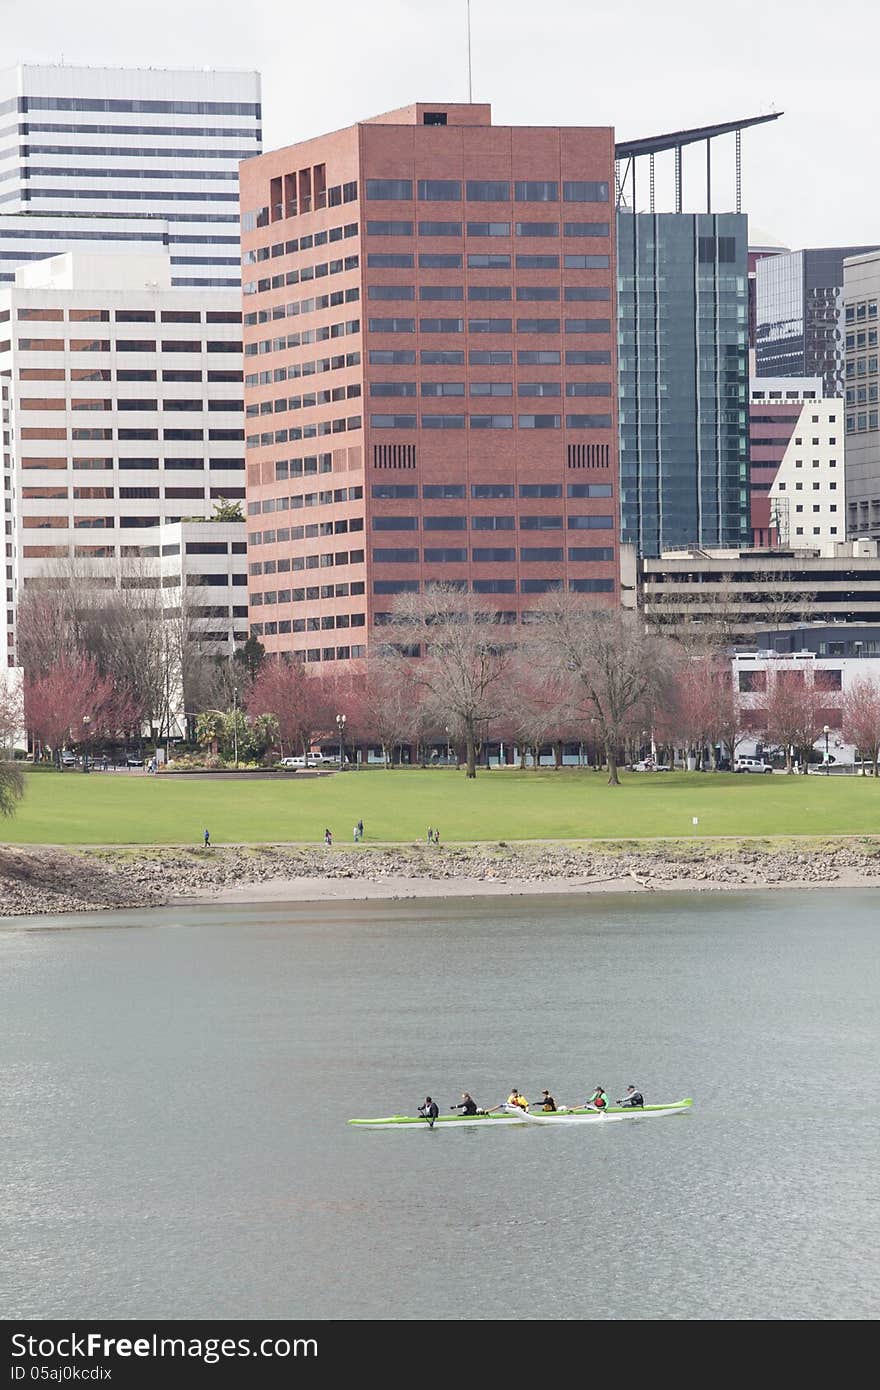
514	1099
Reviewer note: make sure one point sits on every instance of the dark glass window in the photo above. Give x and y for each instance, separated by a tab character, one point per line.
382	260
540	523
441	292
588	325
389	188
442	325
439	190
444	357
588	490
441	490
580	554
587	262
396	557
588	422
490	325
442	422
391	292
581	191
387	491
531	191
489	292
392	357
493	555
440	229
491	422
537	229
488	229
395	523
489	490
444	523
542	358
479	260
537	262
538	325
492	523
537	292
490	357
439	260
540	554
488	191
389	229
494	586
575	357
445	555
580	292
590	523
588	388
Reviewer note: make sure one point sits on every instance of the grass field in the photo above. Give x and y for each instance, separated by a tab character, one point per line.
69	808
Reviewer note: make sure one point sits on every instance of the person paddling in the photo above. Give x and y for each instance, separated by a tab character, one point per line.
515	1099
467	1105
429	1111
598	1100
547	1103
632	1097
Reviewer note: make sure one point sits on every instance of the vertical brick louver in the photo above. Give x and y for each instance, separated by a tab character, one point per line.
430	372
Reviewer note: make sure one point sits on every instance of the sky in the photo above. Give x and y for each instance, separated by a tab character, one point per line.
643	66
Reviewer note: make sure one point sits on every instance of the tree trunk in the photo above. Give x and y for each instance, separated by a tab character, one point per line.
471	745
557	755
611	759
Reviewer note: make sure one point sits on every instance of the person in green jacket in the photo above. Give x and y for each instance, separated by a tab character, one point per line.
598	1100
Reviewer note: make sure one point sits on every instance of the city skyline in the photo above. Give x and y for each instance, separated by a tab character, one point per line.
671	69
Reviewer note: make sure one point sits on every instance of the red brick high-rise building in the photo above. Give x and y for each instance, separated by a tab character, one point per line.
430	371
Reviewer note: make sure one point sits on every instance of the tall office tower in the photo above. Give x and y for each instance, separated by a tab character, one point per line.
126	159
799	330
683	379
8	609
760	246
125	411
429	372
861	294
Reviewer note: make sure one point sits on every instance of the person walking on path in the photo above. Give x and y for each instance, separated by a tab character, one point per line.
436	836
356	834
360	829
328	839
207	839
429	837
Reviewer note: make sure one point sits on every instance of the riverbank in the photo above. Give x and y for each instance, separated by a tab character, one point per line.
51	880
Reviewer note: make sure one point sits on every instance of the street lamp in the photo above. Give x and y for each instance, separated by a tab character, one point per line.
826	731
340	724
87	719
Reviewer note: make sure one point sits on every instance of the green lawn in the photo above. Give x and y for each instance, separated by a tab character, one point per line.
102	808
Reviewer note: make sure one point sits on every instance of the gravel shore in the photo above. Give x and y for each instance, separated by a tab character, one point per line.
37	880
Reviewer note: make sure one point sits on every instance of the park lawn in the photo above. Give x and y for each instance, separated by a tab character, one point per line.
398	806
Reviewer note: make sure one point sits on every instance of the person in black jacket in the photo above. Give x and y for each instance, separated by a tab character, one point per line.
467	1105
547	1103
632	1098
429	1111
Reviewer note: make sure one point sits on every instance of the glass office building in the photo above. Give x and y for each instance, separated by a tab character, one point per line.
683	379
799	303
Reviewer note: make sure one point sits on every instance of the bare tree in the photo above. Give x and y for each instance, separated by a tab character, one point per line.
465	660
861	719
389	702
619	668
11	723
796	710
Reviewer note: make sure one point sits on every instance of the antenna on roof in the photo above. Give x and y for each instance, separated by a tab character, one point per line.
470	82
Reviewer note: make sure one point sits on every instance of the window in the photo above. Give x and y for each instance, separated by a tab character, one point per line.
491	388
443	357
389	189
393	422
442	388
445	556
580	554
537	325
493	555
587	229
588	490
391	292
393	388
588	422
489	292
536	292
537	262
388	491
443	490
392	357
439	190
531	191
590	523
542	358
540	523
579	191
491	422
540	554
575	357
490	325
478	229
392	325
444	523
440	229
382	260
478	260
537	229
395	586
490	357
591	586
587	262
440	260
396	556
488	191
540	586
538	388
496	586
441	292
582	292
540	489
389	229
588	388
492	523
487	490
588	325
395	523
442	325
442	422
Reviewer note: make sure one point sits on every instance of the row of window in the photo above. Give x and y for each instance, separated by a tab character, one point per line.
298	432
98	465
126	403
284	403
295	370
449	491
326	623
306	499
303	306
321	560
102	435
501	586
86	523
488	190
867	309
487	325
124	345
862	421
491	555
480	260
491	293
526	523
308	335
490	357
490	388
61	494
313	654
489	229
490	422
862	339
304	243
124	316
126	374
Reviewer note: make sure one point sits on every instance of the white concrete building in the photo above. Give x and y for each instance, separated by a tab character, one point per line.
808	494
126	159
125	408
203	569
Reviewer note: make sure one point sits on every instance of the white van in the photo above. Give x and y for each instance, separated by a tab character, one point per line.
751	765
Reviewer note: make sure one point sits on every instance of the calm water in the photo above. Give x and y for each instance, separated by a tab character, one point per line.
176	1084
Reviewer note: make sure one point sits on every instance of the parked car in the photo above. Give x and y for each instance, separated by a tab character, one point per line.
292	762
751	765
648	765
132	760
68	759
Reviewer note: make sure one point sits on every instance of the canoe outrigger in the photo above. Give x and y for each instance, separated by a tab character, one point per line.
511	1115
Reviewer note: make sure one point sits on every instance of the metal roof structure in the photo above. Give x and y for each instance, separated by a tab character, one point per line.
630	150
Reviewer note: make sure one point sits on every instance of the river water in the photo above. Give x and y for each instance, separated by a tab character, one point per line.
176	1083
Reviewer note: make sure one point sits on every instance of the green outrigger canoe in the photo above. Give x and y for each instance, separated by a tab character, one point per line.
509	1115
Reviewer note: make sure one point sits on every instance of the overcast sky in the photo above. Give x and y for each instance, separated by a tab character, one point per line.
643	66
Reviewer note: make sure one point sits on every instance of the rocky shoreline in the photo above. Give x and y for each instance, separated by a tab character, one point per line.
47	880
